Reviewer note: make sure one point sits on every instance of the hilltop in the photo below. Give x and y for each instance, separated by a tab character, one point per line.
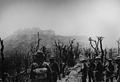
22	39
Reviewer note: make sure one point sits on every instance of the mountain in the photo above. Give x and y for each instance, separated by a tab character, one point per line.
22	39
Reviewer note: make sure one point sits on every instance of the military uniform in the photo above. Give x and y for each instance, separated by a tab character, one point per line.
55	69
84	72
91	72
99	72
109	72
40	73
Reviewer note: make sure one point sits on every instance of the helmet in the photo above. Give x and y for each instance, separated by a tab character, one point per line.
39	57
39	52
110	60
34	65
52	58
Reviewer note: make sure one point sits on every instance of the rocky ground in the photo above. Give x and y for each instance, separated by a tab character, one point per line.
74	76
75	80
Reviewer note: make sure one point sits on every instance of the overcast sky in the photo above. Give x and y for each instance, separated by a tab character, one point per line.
65	17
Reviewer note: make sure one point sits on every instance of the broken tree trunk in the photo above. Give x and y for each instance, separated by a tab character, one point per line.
101	47
38	43
2	58
118	47
95	47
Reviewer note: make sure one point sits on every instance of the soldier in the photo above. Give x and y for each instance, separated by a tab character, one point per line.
110	71
118	73
39	57
91	71
42	72
55	69
32	74
49	72
99	71
84	71
118	70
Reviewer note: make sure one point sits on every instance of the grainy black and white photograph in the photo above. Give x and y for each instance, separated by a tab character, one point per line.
59	40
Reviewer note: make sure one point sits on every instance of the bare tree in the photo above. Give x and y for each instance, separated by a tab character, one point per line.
95	45
118	42
34	47
38	43
66	53
2	56
101	47
77	50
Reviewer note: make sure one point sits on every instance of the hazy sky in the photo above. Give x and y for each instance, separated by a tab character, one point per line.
65	17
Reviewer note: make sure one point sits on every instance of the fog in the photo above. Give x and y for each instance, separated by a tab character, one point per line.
65	17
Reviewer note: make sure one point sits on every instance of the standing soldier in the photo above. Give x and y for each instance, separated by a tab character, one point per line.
32	74
118	73
99	71
91	71
42	72
110	71
118	69
55	69
84	71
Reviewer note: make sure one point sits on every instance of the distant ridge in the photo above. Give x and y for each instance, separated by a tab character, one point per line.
23	38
